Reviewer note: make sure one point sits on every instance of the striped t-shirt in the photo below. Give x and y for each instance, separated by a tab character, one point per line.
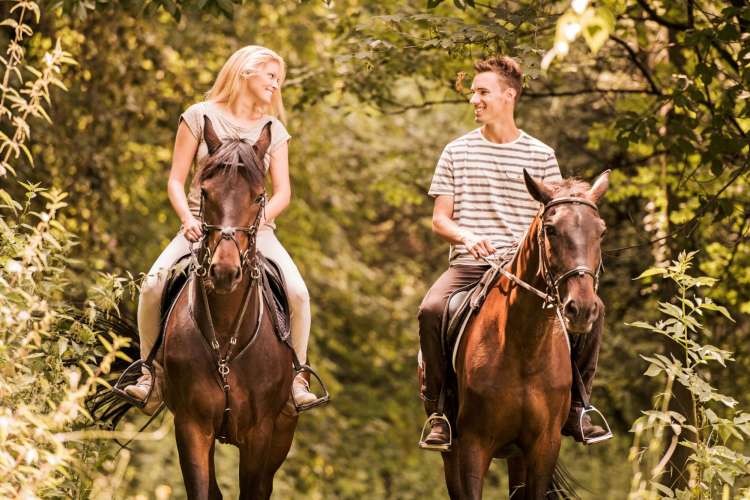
486	181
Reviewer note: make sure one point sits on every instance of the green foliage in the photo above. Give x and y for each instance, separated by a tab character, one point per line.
716	437
51	358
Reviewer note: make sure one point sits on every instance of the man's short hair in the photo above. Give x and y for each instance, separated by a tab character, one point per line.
506	68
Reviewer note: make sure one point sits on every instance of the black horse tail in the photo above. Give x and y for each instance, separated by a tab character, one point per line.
104	406
563	485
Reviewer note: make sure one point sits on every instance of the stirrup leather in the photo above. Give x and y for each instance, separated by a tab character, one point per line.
324	399
130	376
598	439
425	432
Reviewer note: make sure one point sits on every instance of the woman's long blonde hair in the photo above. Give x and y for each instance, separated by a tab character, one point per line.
240	65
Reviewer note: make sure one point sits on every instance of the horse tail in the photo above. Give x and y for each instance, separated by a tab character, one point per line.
104	406
563	485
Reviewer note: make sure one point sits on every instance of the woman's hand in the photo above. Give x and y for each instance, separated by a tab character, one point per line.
192	228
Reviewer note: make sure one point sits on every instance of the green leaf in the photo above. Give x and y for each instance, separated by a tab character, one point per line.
654	271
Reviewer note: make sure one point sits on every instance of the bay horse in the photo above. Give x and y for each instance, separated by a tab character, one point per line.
513	365
227	375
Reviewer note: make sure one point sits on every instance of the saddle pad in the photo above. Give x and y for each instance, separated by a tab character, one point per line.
461	306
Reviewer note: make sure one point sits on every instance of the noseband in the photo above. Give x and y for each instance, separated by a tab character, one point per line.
230	233
553	282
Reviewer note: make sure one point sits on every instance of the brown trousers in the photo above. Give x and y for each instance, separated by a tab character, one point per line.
585	347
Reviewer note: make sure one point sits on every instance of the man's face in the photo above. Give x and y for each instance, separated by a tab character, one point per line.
491	98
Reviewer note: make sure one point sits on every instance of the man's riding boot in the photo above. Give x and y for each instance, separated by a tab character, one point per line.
585	356
301	390
586	428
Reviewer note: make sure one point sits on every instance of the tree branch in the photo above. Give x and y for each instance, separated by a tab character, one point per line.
637	61
596	90
664	22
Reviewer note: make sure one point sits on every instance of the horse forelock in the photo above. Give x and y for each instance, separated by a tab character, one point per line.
235	157
571	187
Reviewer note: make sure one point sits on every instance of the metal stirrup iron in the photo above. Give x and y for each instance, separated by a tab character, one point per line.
322	400
435	417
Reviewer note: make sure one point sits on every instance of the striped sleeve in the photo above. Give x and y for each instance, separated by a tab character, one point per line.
442	180
551	169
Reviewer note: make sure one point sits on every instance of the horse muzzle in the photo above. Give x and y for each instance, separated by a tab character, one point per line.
579	316
224	278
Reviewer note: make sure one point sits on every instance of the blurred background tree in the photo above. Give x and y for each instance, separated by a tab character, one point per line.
374	92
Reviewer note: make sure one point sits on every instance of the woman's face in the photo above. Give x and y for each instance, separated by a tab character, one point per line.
265	83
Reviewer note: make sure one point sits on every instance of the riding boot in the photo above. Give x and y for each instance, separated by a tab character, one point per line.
578	427
439	435
585	356
301	390
140	390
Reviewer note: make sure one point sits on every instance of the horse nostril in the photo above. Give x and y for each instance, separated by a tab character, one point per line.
237	274
571	309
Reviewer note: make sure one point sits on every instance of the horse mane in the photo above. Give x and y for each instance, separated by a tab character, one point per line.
235	157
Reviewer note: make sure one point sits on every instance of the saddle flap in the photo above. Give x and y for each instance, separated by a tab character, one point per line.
177	276
274	289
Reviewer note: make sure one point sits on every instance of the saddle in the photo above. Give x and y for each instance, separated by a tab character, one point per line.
273	285
461	306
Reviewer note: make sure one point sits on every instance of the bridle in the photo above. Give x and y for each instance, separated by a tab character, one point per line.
551	296
553	282
228	233
200	268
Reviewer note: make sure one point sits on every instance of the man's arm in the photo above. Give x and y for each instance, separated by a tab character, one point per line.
444	226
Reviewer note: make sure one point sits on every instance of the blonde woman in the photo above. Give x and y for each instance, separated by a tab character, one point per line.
245	96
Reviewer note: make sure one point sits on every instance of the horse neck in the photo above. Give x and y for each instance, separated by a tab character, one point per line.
527	266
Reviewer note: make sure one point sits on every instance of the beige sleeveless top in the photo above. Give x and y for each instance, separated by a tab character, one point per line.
226	127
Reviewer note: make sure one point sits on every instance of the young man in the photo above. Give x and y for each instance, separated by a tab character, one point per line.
482	207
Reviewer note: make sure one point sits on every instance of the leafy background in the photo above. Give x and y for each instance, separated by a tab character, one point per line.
658	92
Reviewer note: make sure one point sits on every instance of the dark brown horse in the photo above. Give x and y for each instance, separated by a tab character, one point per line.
514	363
227	374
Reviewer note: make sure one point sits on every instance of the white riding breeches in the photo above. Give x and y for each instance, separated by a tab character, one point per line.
152	288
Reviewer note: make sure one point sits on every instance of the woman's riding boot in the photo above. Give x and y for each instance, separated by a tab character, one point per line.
141	388
301	390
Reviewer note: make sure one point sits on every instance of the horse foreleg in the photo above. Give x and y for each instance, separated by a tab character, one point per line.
541	460
474	460
214	493
193	446
254	483
452	472
516	478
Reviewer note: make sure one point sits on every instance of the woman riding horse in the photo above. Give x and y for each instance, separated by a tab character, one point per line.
245	97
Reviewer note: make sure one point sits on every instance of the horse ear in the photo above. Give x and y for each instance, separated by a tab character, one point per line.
263	142
537	190
213	143
599	187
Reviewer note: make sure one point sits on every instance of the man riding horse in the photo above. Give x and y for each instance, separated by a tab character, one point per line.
482	208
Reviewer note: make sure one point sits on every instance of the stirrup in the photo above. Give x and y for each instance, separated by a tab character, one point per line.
130	376
598	439
324	399
428	425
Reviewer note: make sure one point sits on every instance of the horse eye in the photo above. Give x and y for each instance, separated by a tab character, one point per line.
550	230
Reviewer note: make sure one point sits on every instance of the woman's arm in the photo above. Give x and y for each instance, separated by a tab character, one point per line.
282	190
185	147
